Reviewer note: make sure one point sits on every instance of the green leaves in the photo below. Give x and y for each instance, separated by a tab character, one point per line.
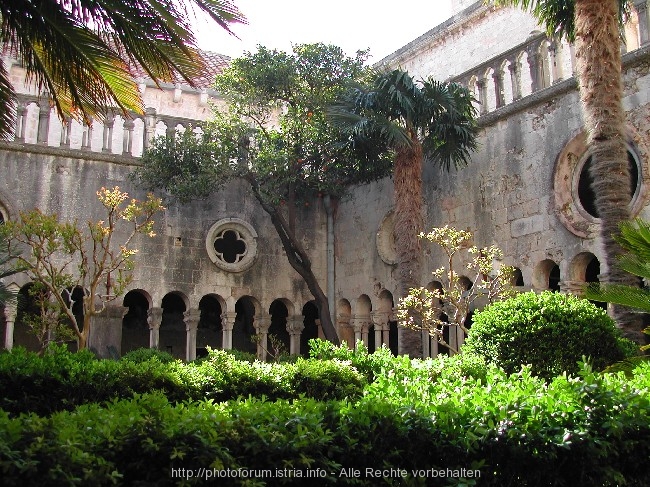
550	331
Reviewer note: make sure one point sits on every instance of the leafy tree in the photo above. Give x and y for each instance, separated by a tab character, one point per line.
423	308
81	51
63	256
595	27
415	120
274	134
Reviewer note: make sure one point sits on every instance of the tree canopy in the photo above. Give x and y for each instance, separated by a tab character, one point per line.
273	131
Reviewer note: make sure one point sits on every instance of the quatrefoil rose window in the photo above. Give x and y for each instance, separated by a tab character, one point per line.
232	244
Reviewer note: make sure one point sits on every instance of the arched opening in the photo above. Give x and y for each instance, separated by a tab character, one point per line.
135	327
243	329
28	318
172	325
209	332
310	312
278	330
517	278
546	276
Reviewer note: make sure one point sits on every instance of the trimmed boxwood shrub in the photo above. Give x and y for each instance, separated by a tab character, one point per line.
140	355
550	331
61	380
516	430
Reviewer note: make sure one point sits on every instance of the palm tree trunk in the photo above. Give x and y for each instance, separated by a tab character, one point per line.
408	224
598	64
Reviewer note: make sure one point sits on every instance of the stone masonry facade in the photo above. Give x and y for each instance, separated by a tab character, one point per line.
523	191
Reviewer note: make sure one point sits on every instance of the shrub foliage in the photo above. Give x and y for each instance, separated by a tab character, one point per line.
550	331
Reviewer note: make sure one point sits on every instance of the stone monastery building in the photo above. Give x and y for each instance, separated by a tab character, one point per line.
216	274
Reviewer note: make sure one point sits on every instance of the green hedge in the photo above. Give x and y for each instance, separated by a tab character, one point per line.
550	331
61	380
517	430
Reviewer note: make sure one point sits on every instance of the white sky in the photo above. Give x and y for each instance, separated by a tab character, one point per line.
383	26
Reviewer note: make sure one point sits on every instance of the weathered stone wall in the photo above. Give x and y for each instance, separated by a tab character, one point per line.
465	40
176	260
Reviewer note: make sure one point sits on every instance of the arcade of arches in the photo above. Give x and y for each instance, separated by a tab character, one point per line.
245	324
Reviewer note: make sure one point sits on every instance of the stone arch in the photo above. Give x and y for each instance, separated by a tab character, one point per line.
311	330
584	267
280	310
525	79
465	283
246	308
361	320
517	279
209	331
546	276
135	323
172	325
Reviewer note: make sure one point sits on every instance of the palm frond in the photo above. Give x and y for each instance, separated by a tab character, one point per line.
619	294
7	106
80	51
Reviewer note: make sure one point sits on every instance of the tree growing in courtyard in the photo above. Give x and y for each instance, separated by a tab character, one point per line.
81	52
414	121
436	310
61	257
274	134
595	27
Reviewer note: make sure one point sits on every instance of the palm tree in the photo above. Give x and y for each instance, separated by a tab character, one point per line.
428	119
595	27
81	51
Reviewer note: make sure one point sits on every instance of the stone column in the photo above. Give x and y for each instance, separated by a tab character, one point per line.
87	136
555	51
534	68
191	319
107	137
21	118
481	84
227	322
380	320
10	311
262	324
170	132
66	128
150	121
154	319
105	335
345	332
360	324
295	326
127	141
514	66
43	121
497	77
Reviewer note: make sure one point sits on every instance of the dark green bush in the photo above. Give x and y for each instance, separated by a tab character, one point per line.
140	355
550	331
62	380
516	430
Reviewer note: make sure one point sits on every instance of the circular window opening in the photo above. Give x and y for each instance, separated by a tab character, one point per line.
586	194
232	244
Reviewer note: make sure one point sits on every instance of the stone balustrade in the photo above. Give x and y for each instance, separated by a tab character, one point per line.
537	64
37	123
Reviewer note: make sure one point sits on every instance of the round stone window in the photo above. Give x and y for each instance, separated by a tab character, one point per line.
232	244
386	239
574	199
